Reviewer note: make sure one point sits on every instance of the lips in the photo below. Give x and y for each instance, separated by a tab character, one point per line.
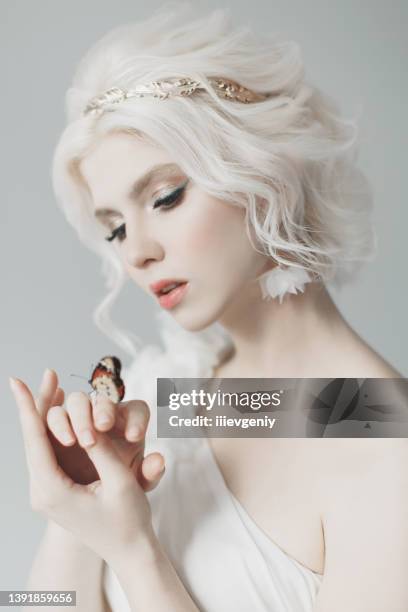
158	287
173	297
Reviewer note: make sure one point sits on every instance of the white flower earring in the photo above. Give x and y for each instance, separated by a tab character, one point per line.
281	280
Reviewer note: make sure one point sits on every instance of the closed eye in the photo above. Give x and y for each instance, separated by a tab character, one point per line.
169	201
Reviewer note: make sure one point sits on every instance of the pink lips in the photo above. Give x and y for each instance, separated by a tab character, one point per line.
169	300
165	282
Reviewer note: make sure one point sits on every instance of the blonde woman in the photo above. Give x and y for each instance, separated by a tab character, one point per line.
199	163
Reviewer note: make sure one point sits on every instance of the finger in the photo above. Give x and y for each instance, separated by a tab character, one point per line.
111	470
48	387
38	450
103	412
59	423
58	398
151	471
137	415
78	407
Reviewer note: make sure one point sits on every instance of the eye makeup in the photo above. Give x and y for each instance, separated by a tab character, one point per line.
166	203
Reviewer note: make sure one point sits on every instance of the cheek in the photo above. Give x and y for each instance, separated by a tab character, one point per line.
214	227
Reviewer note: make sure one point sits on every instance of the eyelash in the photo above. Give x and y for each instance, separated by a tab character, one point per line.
172	198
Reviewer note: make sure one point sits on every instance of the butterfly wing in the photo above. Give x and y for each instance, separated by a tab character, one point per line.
105	379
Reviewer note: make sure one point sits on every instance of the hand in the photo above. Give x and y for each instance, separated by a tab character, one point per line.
110	515
82	415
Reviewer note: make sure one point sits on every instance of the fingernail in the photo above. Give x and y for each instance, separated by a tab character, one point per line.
67	438
103	420
134	432
13	384
87	437
46	373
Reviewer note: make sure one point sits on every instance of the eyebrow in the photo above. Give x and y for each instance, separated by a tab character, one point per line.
139	187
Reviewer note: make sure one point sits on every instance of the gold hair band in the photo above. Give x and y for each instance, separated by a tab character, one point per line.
225	88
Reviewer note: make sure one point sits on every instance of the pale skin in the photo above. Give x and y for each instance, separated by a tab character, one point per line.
344	513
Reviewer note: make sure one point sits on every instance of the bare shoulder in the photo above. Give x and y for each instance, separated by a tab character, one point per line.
385	370
351	453
361	471
363	514
349	458
342	470
363	361
378	367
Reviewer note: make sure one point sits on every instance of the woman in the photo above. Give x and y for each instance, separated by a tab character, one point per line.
197	154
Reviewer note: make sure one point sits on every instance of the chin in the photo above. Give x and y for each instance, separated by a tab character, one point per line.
194	324
194	321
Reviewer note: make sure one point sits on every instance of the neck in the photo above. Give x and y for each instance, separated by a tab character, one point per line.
285	339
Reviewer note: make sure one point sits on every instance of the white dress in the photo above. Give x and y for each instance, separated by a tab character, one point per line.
225	561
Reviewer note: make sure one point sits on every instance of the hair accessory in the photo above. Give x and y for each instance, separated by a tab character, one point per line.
105	378
279	281
225	88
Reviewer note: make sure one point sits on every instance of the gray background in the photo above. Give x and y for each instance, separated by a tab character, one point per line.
356	51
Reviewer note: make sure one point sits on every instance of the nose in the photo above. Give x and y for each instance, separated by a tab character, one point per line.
140	248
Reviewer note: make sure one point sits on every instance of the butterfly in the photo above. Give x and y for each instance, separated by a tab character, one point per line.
106	378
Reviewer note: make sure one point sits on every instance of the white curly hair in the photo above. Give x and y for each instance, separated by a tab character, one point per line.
289	160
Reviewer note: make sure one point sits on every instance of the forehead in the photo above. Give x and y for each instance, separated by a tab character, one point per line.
116	161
